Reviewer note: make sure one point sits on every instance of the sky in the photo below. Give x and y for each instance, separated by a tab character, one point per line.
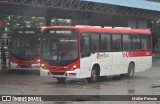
141	4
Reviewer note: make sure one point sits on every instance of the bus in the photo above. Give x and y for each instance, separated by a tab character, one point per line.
93	52
25	49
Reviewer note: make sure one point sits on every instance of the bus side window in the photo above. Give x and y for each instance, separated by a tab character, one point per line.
105	42
127	42
116	42
145	42
95	42
136	42
85	46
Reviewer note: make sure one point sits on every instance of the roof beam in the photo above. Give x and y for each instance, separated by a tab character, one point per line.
87	6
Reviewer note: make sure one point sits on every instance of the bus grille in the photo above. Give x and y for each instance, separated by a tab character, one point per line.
58	73
24	66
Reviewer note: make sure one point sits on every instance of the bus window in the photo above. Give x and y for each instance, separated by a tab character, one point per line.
116	42
105	42
95	42
85	45
145	42
127	42
136	42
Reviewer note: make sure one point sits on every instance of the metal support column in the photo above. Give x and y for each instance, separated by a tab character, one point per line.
48	21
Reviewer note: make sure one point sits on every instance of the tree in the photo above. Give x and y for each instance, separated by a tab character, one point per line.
22	22
154	0
2	25
154	25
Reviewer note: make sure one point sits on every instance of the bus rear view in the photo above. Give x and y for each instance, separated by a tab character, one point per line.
25	46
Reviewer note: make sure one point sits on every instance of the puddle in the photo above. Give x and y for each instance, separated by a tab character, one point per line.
155	86
76	82
131	91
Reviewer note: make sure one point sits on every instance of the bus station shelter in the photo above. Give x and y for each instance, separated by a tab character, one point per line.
121	13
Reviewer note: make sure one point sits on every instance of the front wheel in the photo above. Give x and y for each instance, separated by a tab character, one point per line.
94	75
61	80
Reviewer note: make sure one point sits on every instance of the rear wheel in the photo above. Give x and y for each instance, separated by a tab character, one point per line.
61	80
131	69
94	75
103	78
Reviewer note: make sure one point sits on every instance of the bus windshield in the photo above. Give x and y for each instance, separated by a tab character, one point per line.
60	45
26	45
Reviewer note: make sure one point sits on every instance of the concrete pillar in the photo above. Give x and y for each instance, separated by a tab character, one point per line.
2	25
48	21
142	23
80	21
132	22
137	23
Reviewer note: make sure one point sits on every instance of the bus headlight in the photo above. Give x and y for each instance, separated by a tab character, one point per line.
38	61
73	67
43	66
13	60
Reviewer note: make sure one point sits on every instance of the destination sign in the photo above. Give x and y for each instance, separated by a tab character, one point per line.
60	32
26	32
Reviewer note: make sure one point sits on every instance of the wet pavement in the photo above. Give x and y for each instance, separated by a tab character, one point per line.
144	83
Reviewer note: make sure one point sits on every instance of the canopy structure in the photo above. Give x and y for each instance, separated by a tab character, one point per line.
138	8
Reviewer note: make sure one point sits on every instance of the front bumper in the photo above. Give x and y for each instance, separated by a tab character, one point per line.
67	74
32	67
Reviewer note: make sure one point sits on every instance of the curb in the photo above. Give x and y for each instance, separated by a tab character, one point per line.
3	71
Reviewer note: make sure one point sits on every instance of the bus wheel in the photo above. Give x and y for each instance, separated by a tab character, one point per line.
94	75
61	80
131	69
103	78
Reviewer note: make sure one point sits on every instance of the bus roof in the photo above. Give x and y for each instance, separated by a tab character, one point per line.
95	29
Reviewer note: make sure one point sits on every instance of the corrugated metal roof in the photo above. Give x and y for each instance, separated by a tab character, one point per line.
140	4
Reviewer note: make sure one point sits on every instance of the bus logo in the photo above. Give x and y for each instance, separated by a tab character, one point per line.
6	98
127	54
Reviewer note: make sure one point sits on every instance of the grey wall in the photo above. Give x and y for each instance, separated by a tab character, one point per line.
112	20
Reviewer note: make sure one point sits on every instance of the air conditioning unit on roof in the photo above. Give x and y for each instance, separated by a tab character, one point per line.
107	27
82	26
122	27
96	26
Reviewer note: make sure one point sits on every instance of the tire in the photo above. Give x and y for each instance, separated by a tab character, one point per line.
94	75
103	78
61	80
131	70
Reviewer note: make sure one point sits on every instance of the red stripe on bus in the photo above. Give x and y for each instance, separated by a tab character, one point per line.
142	53
136	53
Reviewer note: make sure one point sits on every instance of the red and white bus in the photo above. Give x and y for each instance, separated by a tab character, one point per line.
93	52
25	49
